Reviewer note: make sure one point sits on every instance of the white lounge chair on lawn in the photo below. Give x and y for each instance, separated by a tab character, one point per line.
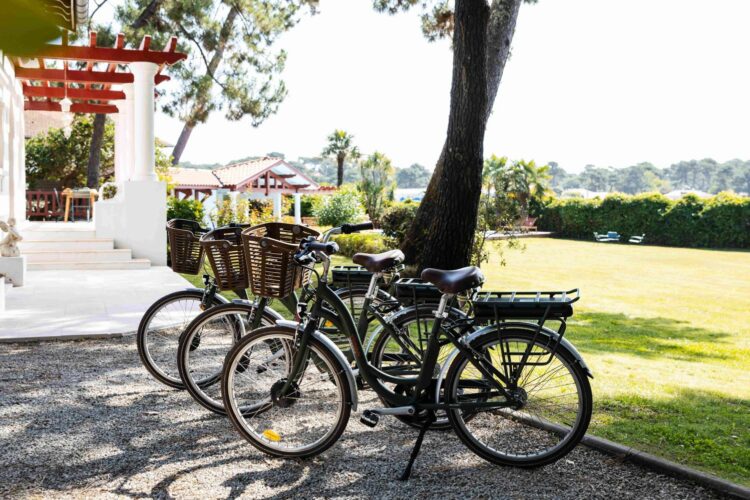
637	239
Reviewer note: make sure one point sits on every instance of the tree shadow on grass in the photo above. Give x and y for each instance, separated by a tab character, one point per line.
648	337
699	428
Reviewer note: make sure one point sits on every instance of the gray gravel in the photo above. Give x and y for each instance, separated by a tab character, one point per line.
84	419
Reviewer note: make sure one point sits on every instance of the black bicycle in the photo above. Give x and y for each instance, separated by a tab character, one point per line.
516	393
206	339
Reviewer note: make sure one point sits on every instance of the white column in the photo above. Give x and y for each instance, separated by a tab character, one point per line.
277	206
297	208
128	132
143	120
120	146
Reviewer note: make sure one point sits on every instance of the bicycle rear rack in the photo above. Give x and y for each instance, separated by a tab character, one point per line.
495	307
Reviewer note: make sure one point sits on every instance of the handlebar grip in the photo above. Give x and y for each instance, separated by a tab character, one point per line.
318	246
354	228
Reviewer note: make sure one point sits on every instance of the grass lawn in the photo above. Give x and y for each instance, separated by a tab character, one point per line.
666	332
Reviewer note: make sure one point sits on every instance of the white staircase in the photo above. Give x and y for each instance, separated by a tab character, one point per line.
71	246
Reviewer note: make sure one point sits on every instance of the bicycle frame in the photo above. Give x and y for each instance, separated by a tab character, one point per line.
372	375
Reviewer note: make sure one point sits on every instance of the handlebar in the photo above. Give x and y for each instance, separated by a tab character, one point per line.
354	228
319	246
346	229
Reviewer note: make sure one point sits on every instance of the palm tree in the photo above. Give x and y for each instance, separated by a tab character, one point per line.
526	182
494	174
377	184
340	145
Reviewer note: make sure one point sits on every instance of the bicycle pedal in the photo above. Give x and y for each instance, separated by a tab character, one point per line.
369	418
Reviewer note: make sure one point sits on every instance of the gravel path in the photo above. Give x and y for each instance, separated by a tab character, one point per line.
84	419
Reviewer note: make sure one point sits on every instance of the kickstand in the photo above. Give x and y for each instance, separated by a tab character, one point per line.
414	452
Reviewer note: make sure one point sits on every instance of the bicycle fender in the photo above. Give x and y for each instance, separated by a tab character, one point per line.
504	326
331	346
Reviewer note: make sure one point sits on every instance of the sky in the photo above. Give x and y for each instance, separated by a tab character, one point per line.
604	82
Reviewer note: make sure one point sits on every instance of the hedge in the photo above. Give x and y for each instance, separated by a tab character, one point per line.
349	244
722	221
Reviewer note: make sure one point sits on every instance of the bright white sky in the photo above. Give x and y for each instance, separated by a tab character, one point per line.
611	82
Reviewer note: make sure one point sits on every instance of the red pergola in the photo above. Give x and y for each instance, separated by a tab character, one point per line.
88	88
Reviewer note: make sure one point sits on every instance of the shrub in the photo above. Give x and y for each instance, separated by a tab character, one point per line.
719	222
349	244
397	220
109	190
185	209
340	208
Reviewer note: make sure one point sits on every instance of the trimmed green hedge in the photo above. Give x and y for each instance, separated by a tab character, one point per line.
722	221
349	244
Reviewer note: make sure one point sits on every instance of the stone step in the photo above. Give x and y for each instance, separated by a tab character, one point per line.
72	266
78	255
58	234
64	245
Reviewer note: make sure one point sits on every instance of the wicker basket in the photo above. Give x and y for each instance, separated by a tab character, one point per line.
269	250
185	251
224	249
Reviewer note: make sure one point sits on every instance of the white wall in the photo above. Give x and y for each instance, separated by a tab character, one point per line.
12	152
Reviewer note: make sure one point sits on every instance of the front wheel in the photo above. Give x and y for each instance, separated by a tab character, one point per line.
301	421
205	343
548	411
160	329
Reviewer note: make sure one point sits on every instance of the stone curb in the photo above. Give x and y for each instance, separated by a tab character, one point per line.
666	466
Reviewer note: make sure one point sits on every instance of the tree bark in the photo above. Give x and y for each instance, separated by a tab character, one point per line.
445	221
187	129
95	151
213	65
499	34
147	14
340	170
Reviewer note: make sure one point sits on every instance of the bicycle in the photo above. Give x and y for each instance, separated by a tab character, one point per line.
206	339
166	319
490	388
203	344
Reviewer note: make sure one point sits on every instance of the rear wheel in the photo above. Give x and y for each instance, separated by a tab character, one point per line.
160	329
549	409
301	422
205	343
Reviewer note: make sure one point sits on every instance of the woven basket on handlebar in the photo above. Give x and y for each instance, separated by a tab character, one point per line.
185	252
224	250
269	250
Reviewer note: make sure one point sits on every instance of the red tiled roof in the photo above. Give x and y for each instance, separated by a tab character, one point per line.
194	177
237	174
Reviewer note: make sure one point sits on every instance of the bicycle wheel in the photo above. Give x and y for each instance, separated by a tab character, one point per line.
160	329
205	343
302	423
399	349
552	405
354	298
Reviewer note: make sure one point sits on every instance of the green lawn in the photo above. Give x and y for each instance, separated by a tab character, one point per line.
666	332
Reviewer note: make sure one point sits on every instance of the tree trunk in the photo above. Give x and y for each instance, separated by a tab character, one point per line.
95	151
446	218
213	65
147	14
500	29
187	129
340	170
